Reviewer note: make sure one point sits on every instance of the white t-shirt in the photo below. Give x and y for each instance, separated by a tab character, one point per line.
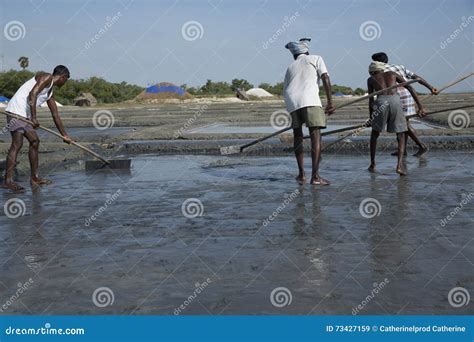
18	104
301	86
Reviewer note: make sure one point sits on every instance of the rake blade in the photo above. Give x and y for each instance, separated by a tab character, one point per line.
92	165
226	150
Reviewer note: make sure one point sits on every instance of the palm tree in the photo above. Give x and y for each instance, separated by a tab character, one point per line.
23	62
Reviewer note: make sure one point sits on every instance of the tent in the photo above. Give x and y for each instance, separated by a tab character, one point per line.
339	94
165	88
4	99
163	91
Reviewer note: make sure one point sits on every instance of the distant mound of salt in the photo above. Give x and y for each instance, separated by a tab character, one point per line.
258	92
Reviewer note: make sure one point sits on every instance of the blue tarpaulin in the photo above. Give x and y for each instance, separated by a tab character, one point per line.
165	89
4	99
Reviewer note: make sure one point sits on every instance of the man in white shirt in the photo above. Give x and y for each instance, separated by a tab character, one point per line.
301	93
32	94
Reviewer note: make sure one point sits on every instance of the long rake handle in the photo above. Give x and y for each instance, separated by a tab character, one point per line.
376	93
58	135
410	116
341	106
455	82
264	138
367	125
368	96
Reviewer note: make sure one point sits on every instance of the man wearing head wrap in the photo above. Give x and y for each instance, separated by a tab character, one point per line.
386	110
301	93
377	66
407	101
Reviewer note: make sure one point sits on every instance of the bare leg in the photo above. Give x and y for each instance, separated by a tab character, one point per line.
421	147
17	143
401	151
373	148
315	134
406	144
299	153
34	141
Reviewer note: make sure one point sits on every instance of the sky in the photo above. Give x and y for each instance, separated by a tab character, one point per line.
187	42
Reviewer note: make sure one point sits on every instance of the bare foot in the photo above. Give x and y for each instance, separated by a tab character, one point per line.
371	168
301	180
422	150
12	186
36	181
401	172
319	181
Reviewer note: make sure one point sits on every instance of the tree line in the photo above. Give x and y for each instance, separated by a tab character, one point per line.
225	88
108	92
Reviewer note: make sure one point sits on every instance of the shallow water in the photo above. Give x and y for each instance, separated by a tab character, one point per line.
228	129
316	242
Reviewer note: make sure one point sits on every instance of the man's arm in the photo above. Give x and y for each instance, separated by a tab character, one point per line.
57	119
42	82
328	89
411	75
423	82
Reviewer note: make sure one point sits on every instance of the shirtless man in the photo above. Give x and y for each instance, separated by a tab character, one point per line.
31	94
387	110
408	104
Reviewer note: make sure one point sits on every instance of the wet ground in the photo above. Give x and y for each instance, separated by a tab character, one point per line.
219	128
248	230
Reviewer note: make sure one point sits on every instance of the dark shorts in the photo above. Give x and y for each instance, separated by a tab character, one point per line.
388	112
15	125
